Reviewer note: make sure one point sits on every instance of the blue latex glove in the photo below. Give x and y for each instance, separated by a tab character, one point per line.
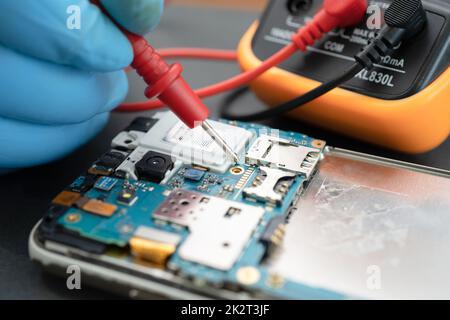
58	85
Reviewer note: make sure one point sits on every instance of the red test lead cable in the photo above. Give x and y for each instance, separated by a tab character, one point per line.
333	14
198	53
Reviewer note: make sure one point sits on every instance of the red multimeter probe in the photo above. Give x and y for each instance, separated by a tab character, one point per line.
166	83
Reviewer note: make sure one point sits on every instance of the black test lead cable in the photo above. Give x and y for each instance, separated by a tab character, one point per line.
404	19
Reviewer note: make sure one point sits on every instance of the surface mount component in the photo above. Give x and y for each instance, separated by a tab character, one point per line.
105	183
99	207
269	187
219	228
282	153
107	163
194	174
154	245
83	183
66	198
273	234
127	196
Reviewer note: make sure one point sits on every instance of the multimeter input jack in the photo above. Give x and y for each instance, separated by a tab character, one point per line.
297	7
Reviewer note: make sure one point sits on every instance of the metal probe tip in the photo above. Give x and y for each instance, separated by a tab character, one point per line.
219	140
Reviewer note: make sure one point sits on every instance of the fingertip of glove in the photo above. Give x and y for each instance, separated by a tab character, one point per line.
105	48
137	16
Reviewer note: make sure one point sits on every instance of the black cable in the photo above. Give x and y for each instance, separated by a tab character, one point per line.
230	99
292	104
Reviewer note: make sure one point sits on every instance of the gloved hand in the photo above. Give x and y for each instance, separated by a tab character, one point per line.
58	85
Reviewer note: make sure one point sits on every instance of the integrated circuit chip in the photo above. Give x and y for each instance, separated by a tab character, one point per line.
83	183
194	174
105	183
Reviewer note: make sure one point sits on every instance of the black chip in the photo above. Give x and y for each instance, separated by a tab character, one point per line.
110	160
141	124
273	234
153	166
83	183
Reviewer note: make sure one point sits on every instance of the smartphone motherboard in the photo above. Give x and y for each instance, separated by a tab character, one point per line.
166	201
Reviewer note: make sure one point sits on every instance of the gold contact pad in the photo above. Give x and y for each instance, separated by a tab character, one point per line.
100	172
99	207
152	251
66	198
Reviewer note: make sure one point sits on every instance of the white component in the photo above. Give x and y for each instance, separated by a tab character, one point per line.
283	154
169	174
219	228
194	146
128	140
127	168
157	235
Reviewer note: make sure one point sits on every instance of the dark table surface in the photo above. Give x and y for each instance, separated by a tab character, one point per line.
25	194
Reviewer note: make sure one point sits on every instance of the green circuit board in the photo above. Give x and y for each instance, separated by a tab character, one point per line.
145	217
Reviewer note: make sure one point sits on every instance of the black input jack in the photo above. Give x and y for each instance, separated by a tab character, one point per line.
297	7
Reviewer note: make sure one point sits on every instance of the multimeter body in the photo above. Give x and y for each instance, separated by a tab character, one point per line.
403	103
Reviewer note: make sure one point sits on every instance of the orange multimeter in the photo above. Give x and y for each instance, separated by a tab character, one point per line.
403	103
